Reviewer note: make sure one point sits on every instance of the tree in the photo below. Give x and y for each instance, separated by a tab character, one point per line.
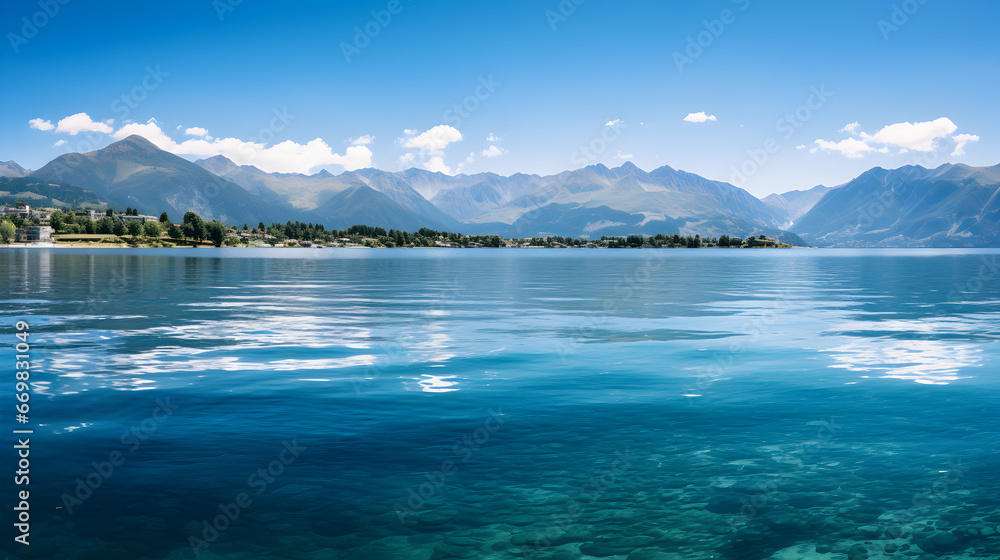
134	227
56	221
128	210
194	226
174	232
6	231
109	212
105	225
151	229
117	226
164	219
135	211
216	232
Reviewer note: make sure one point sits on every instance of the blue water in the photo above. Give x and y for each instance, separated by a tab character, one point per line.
434	404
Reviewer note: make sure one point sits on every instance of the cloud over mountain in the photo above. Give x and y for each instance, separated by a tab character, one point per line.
905	136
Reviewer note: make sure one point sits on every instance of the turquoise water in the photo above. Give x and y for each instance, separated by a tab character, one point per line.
435	404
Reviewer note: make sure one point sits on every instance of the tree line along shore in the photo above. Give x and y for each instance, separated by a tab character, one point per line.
129	228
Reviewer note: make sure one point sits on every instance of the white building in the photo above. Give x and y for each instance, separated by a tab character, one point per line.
24	211
144	219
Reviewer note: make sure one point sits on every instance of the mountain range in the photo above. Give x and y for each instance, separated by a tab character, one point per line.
952	205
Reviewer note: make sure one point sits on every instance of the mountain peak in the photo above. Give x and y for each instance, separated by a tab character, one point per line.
136	141
220	164
12	169
215	159
629	168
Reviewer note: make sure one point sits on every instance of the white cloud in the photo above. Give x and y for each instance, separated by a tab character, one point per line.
410	131
284	157
433	141
613	123
851	128
620	155
178	126
81	122
492	138
363	140
699	117
468	160
493	151
800	147
850	147
436	164
407	160
960	141
196	131
39	124
59	143
918	136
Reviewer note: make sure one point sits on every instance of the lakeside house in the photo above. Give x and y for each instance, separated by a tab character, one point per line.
33	233
22	211
92	215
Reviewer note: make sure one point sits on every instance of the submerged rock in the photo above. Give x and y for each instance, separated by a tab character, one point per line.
726	503
653	554
803	552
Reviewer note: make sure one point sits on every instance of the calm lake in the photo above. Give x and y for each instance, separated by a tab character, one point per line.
431	404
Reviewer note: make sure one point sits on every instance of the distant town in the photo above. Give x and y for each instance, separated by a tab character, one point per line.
54	227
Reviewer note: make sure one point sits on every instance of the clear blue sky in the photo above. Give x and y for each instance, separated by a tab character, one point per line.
557	83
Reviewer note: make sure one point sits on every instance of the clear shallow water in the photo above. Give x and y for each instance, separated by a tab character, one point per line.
434	404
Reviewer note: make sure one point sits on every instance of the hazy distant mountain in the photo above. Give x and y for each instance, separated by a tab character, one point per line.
794	204
133	172
593	201
314	193
12	169
302	192
364	205
596	201
911	206
952	205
